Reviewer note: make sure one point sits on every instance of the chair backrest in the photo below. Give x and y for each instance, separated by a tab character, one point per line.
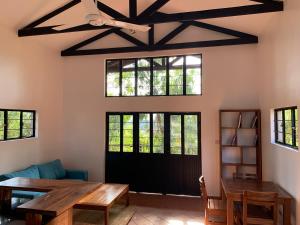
203	191
268	200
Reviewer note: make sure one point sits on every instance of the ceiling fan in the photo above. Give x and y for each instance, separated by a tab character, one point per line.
95	18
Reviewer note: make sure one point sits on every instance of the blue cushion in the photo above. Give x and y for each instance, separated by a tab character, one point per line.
52	170
30	172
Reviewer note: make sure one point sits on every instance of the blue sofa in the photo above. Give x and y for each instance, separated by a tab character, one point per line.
50	170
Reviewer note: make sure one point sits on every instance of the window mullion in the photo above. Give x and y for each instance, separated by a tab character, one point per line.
5	124
182	135
136	133
151	76
283	126
21	124
33	123
167	133
151	132
121	78
276	125
135	78
184	75
199	133
121	132
294	127
167	76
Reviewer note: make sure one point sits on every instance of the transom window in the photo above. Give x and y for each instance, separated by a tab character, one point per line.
16	124
286	126
159	76
157	133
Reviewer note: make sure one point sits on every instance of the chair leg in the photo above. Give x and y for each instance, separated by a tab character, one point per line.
206	217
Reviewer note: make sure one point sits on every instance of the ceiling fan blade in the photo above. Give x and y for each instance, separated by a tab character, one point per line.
91	6
66	26
124	25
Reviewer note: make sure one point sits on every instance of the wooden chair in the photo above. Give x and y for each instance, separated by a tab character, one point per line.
260	208
215	208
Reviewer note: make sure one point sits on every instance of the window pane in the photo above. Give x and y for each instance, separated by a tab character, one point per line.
280	126
289	139
175	126
159	76
1	125
176	75
190	135
158	133
144	133
144	74
288	127
113	78
28	124
193	81
280	137
128	77
279	115
114	133
128	133
13	124
192	60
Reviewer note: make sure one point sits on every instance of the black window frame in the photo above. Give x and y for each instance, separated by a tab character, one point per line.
293	121
167	133
21	124
151	59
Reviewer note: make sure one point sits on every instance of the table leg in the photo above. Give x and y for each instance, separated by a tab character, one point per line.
230	219
33	219
127	199
287	212
106	216
5	199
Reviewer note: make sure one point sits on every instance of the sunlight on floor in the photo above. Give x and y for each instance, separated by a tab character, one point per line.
180	222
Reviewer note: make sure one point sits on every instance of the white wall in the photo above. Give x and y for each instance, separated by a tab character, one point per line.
30	78
229	81
279	51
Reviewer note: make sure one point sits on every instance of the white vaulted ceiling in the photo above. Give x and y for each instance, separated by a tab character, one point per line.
15	14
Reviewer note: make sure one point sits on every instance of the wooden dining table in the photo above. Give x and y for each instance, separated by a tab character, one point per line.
233	190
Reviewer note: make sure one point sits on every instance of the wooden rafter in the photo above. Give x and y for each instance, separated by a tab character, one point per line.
152	16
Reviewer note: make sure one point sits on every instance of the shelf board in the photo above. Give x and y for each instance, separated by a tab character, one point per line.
238	164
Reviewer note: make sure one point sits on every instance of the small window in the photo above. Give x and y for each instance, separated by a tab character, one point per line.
286	126
16	124
159	76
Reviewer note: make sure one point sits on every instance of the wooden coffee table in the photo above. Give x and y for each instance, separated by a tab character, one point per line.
104	198
56	206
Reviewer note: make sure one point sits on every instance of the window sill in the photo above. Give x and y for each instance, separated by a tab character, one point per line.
21	139
285	147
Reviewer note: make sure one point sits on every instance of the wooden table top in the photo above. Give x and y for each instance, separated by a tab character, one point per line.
104	195
39	185
236	187
62	194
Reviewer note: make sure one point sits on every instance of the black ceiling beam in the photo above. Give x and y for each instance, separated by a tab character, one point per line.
151	35
213	13
153	8
173	33
199	44
132	9
52	14
129	38
163	18
91	40
110	11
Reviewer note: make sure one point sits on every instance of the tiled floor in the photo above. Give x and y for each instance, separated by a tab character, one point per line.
166	210
159	210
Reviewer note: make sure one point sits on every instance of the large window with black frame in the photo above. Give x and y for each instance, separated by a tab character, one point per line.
144	141
16	124
156	76
286	127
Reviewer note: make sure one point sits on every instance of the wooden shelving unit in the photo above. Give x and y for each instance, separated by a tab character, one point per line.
240	142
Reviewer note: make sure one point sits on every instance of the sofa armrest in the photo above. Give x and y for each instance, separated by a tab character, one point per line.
77	174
